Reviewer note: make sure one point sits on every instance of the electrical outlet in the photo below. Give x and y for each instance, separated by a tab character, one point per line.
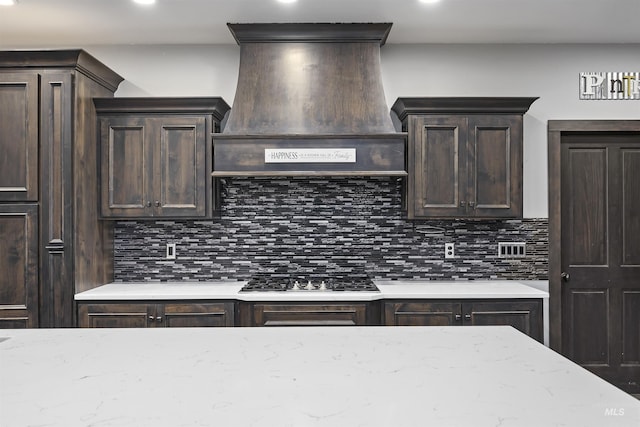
171	251
449	250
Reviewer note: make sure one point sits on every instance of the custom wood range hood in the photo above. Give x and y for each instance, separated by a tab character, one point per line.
309	102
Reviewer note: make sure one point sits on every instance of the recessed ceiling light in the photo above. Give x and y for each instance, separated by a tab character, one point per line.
8	2
429	1
287	1
145	1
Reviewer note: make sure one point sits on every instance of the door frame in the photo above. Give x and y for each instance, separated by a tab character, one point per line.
556	129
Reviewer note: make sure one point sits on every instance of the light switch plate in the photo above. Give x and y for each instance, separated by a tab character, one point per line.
512	249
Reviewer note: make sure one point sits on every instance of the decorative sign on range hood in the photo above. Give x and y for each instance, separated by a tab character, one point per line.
309	155
309	90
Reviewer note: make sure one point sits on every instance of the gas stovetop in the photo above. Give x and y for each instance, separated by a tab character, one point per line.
267	282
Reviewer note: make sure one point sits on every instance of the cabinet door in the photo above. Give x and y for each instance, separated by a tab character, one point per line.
125	167
439	183
19	266
495	166
422	313
187	315
101	315
305	314
524	315
179	175
19	101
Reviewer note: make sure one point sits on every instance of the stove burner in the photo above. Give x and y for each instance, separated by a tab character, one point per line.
278	282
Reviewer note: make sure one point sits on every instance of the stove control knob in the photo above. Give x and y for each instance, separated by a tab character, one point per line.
323	286
296	286
309	286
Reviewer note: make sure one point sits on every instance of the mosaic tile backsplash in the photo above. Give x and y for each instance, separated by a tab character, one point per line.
321	225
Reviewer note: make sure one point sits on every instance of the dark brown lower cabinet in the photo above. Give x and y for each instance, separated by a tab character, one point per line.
309	314
160	314
523	314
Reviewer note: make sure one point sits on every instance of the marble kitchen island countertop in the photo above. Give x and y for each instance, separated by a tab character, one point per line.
352	376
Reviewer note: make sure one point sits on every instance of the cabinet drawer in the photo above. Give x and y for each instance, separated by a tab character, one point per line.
198	315
304	314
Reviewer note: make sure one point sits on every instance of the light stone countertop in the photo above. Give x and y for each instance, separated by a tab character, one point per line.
388	289
416	289
123	291
351	376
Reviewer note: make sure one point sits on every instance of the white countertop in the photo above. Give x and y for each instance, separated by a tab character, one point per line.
122	291
416	289
360	376
388	289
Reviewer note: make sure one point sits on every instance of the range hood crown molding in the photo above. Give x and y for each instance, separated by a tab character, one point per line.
310	32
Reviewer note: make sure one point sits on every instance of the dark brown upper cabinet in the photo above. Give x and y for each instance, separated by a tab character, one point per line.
464	156
156	156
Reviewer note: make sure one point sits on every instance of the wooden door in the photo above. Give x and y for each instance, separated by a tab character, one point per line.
179	178
439	185
495	166
19	101
125	167
595	266
19	266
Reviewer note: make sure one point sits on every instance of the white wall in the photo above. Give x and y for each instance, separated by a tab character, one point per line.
547	71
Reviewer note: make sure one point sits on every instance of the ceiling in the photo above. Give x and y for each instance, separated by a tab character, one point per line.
78	23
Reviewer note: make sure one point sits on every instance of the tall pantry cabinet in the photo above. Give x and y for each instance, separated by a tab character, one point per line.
52	244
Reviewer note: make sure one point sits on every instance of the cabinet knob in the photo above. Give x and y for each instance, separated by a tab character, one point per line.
148	204
151	318
564	276
458	317
462	203
472	205
159	319
157	203
467	317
